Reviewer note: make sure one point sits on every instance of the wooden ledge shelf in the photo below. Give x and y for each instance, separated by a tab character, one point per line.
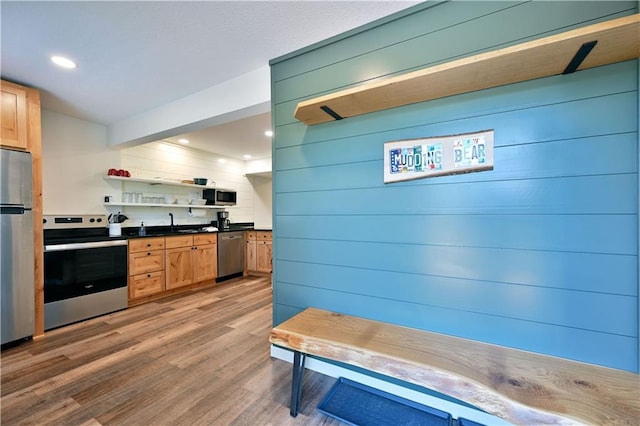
616	40
522	387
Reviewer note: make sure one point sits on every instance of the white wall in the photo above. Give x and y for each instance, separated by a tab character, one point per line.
262	202
173	162
76	158
262	194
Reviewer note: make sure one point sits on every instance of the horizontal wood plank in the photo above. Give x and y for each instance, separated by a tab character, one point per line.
617	41
521	387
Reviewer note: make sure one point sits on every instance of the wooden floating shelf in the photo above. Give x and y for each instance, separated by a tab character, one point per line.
616	40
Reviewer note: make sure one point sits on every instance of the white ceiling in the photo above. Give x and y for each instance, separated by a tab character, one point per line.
134	56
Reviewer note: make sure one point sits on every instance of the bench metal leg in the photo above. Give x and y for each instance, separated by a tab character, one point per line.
296	382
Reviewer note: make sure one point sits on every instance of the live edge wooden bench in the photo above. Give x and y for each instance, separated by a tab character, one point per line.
521	387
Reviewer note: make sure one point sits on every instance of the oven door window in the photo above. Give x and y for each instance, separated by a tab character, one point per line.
75	273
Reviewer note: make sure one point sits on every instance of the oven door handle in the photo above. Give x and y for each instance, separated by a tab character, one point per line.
80	246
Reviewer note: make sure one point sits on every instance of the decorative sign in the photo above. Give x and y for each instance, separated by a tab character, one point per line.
438	156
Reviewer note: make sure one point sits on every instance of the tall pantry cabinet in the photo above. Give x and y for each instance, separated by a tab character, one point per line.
22	130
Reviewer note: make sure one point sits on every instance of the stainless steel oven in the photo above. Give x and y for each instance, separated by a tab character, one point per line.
85	270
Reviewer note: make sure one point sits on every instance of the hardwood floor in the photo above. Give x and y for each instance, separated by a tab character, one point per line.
199	358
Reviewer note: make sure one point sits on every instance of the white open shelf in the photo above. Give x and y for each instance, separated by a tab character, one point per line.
157	182
193	206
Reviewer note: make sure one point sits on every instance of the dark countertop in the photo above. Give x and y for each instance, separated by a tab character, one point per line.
164	231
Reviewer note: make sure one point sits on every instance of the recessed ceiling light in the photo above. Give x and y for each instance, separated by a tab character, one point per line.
183	141
247	156
63	62
268	133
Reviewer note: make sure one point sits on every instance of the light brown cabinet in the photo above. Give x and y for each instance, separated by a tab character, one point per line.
190	259
14	117
264	256
259	252
178	257
146	267
205	254
160	265
250	251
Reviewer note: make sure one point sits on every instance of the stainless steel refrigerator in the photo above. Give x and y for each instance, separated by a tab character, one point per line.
16	246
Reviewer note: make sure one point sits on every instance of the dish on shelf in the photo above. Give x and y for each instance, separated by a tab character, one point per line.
200	181
182	200
170	199
198	202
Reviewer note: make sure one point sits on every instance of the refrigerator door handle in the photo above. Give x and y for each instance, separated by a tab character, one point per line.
12	209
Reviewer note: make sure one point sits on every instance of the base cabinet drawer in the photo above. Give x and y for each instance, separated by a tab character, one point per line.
146	284
146	261
146	244
264	236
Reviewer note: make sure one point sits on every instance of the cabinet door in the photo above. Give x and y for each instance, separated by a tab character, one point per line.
205	263
178	267
250	255
146	261
14	117
264	256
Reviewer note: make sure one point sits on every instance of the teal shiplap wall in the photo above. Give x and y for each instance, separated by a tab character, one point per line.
539	254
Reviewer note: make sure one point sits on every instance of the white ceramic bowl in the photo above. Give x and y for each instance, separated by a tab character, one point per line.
170	198
200	202
182	200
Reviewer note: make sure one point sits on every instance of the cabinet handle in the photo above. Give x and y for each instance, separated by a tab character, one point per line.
148	275
148	244
148	254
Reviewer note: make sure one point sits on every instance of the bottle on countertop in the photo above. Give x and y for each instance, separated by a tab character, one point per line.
142	231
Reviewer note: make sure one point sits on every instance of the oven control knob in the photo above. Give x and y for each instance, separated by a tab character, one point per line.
99	220
92	220
44	220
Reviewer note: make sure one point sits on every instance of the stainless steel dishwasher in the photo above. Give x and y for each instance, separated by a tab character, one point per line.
230	254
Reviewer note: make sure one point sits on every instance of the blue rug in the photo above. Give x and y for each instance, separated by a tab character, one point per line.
361	405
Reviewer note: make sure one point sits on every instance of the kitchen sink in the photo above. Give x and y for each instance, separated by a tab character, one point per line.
188	231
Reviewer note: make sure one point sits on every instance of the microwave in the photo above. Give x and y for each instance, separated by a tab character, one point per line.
220	197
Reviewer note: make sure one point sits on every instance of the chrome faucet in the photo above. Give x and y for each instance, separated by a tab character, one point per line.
171	227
